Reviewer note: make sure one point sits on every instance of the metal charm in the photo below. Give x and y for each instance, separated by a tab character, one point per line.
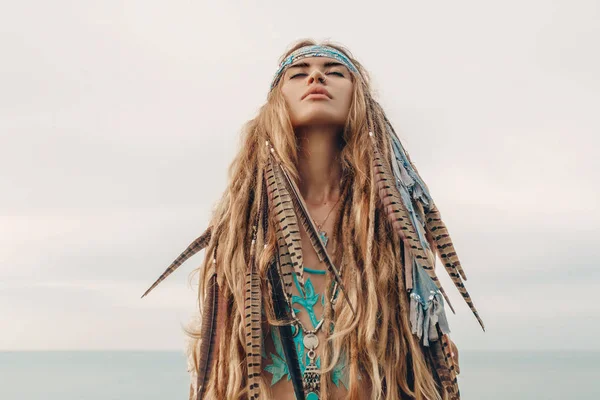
311	378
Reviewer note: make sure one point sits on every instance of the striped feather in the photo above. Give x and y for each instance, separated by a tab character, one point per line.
197	245
282	210
420	192
311	229
285	266
447	253
399	216
435	228
285	331
253	327
404	183
444	367
418	189
208	332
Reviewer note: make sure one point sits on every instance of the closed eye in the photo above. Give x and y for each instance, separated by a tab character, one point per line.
305	74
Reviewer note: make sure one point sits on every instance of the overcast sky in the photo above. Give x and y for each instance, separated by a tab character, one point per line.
118	120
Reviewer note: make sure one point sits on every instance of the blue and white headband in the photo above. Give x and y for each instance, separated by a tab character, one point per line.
312	51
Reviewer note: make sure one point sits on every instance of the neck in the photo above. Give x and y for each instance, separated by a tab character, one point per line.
319	165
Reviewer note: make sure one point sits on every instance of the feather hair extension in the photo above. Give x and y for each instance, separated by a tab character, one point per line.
433	224
253	299
403	183
444	368
253	322
440	243
286	225
208	333
447	254
421	194
399	216
200	243
285	331
285	266
308	224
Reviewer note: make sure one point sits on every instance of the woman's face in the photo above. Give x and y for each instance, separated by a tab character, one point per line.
325	75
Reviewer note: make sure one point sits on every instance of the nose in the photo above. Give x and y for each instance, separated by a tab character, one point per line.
316	75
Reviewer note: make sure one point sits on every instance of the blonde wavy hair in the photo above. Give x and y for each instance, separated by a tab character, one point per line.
378	339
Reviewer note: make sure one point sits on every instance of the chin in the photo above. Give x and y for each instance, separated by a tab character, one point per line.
319	118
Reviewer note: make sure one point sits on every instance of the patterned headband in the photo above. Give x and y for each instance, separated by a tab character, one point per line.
312	51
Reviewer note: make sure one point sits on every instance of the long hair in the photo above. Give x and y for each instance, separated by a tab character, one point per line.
378	339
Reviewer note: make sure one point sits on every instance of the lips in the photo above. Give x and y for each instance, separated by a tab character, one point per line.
316	90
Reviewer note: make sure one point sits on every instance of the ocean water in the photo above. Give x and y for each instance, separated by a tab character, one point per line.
133	375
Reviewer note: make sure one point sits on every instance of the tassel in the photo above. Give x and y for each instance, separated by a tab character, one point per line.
285	331
426	308
208	333
192	249
308	224
287	227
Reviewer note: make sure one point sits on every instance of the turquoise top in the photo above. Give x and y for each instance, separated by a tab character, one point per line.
278	366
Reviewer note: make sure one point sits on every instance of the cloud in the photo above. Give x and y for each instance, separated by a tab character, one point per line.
118	123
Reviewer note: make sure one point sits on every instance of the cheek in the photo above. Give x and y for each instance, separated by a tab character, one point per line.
289	97
347	99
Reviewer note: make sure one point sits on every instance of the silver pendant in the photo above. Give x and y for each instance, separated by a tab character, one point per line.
311	379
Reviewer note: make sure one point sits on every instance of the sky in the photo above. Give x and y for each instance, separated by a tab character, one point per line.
118	120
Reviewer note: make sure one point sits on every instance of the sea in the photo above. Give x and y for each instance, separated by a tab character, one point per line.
156	375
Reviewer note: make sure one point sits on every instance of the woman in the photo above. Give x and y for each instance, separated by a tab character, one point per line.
318	281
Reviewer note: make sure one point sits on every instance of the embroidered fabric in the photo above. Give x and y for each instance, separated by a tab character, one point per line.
278	367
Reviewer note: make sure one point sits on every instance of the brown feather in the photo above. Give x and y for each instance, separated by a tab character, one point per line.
398	215
435	227
200	243
285	331
309	226
445	249
253	324
286	225
441	243
442	240
208	331
444	367
449	252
